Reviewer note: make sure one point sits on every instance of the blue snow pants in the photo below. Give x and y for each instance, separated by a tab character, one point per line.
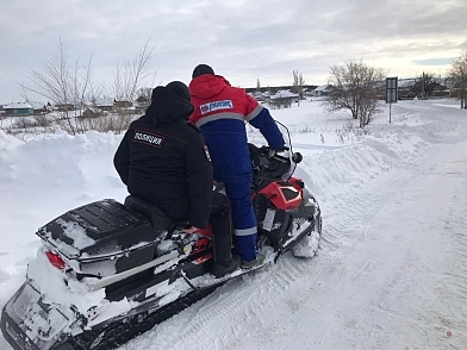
244	220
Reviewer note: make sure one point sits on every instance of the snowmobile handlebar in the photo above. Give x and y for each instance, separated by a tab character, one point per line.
296	156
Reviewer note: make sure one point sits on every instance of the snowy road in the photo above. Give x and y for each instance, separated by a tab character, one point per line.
391	286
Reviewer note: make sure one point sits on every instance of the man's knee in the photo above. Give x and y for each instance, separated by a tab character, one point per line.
220	200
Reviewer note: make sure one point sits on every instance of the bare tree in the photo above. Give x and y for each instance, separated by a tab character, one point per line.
298	83
258	85
458	75
130	74
128	79
356	87
63	82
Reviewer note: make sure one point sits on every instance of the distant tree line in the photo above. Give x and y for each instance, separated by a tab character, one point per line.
273	89
426	85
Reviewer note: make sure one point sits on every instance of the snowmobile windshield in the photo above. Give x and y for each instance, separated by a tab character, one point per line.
279	166
287	154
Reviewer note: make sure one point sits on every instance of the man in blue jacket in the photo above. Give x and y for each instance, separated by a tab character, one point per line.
221	112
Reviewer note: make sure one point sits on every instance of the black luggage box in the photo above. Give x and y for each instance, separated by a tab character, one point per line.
103	238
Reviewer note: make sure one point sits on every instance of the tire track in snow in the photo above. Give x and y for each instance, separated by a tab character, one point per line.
372	336
211	313
351	225
443	313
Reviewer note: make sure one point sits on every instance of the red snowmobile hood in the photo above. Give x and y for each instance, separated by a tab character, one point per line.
207	85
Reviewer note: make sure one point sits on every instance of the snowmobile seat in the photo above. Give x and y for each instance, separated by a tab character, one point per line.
160	221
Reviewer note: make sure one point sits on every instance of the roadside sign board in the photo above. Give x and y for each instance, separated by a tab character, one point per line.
391	90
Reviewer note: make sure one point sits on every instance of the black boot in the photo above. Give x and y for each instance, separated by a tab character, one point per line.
224	263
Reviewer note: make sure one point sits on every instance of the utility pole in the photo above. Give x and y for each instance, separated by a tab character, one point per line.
423	85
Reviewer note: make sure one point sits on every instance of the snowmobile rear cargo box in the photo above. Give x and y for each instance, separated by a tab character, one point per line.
103	238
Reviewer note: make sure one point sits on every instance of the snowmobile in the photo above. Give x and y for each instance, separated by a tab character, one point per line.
106	271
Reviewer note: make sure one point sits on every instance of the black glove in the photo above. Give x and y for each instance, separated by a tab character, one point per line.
273	152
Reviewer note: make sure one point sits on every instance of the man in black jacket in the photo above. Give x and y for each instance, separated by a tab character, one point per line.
164	160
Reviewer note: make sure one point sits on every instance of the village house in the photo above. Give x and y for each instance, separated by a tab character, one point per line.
65	107
18	108
282	98
322	90
104	104
141	103
259	96
122	104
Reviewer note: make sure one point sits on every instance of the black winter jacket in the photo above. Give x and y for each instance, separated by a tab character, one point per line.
163	159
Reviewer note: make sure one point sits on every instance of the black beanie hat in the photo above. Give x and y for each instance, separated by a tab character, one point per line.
179	89
201	69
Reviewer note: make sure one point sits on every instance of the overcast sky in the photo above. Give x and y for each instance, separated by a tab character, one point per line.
242	40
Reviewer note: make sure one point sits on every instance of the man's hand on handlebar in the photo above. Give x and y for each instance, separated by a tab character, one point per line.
272	152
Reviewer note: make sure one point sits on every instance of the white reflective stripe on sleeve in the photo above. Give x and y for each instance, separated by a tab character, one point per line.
246	231
253	114
219	116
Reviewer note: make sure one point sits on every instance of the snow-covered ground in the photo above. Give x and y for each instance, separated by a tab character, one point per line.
390	272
